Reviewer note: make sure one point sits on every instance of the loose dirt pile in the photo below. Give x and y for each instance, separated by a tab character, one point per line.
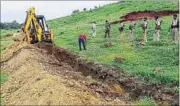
19	36
138	15
107	44
37	78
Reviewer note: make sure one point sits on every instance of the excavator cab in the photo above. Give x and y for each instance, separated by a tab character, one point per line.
46	32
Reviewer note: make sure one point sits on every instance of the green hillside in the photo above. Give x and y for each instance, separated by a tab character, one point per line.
140	62
6	41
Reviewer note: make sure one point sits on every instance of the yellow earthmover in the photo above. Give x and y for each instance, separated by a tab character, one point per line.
36	29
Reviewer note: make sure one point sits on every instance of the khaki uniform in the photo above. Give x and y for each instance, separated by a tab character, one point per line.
175	33
144	27
131	28
107	30
157	29
121	29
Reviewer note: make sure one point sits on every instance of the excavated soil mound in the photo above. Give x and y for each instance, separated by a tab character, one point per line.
37	78
137	15
19	36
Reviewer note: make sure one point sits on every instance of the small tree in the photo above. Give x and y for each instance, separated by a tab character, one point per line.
84	9
75	11
90	10
1	25
121	1
14	25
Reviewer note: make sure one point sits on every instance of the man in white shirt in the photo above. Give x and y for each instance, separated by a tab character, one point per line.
157	28
94	29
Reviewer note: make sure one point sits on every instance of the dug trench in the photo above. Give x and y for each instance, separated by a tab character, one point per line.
121	82
139	15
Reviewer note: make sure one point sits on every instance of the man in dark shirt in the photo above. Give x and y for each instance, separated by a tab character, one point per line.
107	29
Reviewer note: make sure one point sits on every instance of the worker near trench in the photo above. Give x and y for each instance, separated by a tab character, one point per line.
175	27
158	23
107	29
82	41
131	28
144	28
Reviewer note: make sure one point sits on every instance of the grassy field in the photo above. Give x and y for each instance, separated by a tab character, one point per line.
6	41
140	62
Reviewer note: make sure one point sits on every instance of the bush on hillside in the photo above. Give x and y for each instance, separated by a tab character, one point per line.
75	11
84	9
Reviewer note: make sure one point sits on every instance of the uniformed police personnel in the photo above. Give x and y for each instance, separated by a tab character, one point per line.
121	28
157	28
107	29
144	27
175	27
131	28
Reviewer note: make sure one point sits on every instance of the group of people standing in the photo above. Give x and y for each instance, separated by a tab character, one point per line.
174	29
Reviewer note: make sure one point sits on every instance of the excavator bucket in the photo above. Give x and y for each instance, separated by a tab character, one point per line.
47	47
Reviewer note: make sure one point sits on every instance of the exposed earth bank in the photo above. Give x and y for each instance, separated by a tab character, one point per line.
38	78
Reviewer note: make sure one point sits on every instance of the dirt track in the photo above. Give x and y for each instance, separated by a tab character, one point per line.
35	77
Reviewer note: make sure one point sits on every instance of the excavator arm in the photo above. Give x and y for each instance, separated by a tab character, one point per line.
31	24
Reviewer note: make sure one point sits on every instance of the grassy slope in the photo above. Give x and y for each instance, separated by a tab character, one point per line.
139	61
6	41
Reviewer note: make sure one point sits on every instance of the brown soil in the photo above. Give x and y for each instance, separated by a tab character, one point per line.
35	77
37	72
119	59
138	15
107	44
19	36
